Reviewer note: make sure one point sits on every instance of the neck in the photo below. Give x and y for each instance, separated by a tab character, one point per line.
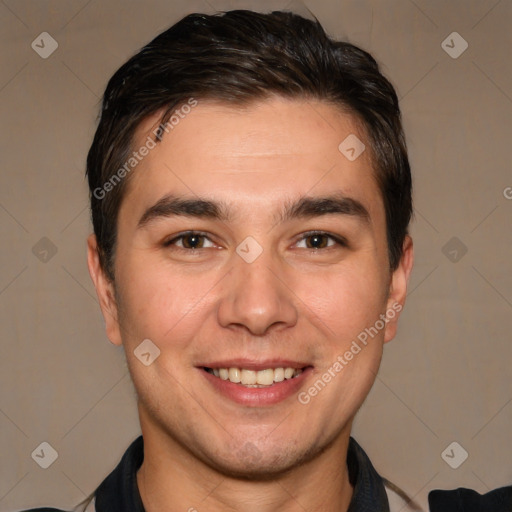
172	478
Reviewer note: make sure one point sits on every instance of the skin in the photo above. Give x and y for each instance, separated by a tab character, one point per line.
202	450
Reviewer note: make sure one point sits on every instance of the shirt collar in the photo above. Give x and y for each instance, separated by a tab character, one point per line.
119	491
369	491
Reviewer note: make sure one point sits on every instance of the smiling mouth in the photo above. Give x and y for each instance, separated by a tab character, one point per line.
255	379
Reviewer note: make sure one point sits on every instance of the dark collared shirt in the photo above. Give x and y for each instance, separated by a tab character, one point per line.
119	491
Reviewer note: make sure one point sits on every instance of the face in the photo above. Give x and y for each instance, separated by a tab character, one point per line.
251	248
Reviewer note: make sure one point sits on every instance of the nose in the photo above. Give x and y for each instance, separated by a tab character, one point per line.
257	297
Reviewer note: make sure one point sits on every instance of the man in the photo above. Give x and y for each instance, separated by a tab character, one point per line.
250	196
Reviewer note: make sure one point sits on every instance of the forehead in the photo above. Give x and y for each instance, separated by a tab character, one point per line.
273	149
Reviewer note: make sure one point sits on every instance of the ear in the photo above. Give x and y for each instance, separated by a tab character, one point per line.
398	289
104	291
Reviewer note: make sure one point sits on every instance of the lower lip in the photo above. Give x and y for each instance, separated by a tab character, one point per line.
257	397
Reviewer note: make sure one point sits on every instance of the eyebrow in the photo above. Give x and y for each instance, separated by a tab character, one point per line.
339	204
304	207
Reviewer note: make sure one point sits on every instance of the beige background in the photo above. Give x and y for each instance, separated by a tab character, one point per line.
446	377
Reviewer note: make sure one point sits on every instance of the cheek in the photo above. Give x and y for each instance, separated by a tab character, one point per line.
346	302
348	308
161	306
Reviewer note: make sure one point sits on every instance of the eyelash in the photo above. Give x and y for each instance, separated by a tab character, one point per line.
338	240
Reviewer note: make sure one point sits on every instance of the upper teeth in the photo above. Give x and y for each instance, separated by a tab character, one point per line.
251	377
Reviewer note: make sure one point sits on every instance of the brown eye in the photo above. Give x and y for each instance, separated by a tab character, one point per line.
320	240
193	241
317	241
189	241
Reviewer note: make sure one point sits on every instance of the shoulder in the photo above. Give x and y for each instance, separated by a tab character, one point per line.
89	507
467	500
44	509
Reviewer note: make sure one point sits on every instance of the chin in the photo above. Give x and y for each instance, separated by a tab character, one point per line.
252	464
251	470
